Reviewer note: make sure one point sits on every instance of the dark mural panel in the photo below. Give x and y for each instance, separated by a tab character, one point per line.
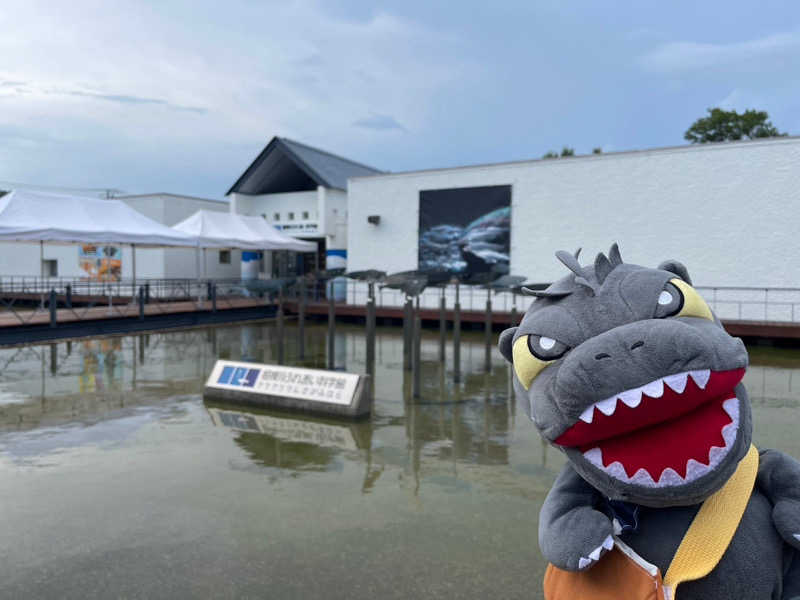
465	230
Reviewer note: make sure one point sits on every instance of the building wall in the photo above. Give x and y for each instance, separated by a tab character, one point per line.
728	211
267	205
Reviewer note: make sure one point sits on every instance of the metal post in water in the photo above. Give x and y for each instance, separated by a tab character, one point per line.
487	333
442	327
370	333
331	329
408	332
457	338
417	349
53	358
68	288
301	321
141	303
53	308
213	297
279	327
141	349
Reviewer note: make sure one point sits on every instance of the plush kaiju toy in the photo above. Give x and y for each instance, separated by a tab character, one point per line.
626	369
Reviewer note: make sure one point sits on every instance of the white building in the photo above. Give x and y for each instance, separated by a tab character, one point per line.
730	211
23	259
302	191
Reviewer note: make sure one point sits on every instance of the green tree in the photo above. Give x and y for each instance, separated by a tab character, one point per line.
550	154
597	150
728	125
567	151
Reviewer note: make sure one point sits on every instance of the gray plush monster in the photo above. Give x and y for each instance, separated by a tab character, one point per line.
626	369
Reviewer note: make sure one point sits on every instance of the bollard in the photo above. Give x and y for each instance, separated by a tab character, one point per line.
213	297
442	328
53	308
417	350
301	321
331	330
69	295
487	333
141	303
457	339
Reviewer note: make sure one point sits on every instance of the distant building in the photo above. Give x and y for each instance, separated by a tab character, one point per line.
74	260
302	191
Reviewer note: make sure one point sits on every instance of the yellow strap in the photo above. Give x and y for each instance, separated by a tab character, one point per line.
713	527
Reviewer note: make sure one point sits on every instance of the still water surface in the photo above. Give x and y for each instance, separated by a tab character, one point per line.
117	480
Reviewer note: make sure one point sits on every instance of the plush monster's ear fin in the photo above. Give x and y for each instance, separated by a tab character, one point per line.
673	266
505	343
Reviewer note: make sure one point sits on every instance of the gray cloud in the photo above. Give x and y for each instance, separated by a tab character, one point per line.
379	122
126	99
694	56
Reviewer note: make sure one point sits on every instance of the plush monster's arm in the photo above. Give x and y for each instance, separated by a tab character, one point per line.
572	534
779	480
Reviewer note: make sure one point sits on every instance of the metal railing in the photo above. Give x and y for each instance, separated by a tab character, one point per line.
38	300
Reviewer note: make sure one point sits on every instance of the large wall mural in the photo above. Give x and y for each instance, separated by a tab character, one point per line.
465	230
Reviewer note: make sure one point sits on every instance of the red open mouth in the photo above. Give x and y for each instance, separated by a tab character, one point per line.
667	432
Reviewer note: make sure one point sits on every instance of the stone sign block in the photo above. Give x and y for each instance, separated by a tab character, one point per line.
313	391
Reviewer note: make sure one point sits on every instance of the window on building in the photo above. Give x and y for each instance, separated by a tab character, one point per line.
290	216
224	257
50	268
305	215
277	216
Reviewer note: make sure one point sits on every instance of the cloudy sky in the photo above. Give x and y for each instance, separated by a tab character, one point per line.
181	96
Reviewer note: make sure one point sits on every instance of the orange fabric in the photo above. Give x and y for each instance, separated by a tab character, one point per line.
615	576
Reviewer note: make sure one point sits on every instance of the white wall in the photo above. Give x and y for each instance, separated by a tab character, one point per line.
728	211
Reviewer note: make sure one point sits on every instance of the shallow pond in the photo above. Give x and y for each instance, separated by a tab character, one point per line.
117	480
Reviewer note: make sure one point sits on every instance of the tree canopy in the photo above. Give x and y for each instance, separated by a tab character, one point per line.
728	125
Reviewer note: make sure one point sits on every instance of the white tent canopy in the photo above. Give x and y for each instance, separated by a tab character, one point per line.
27	216
214	229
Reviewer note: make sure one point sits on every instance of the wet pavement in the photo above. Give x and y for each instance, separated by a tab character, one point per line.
118	481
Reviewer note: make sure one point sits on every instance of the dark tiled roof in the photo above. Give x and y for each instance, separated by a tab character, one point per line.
322	167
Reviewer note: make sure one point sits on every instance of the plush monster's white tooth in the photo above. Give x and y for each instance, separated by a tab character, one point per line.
617	471
643	477
595	554
715	456
669	476
695	469
729	433
632	397
731	406
608	543
584	562
587	415
594	456
654	389
676	382
701	377
796	536
607	406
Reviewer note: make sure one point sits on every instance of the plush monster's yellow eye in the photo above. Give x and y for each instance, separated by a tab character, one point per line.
526	365
693	304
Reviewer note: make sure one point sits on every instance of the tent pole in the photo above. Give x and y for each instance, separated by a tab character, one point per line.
197	262
41	259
